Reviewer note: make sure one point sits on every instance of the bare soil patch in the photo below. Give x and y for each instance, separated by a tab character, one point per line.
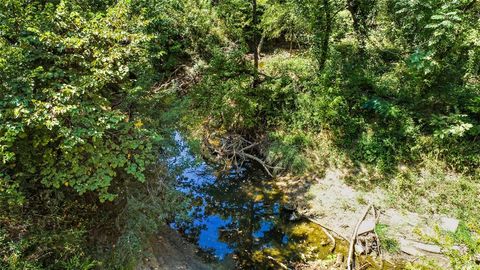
329	201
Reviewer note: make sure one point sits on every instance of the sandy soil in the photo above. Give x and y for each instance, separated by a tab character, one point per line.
331	202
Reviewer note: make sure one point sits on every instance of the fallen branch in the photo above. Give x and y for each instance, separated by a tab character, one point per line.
283	266
264	165
332	239
351	255
235	146
326	228
365	266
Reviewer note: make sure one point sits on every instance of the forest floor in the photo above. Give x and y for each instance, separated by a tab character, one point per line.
329	201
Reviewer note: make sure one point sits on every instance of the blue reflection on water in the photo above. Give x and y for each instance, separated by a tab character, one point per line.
265	226
192	180
209	237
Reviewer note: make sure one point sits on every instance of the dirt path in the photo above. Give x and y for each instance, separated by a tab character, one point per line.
170	252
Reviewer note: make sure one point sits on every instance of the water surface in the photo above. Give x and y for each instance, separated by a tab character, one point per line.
240	219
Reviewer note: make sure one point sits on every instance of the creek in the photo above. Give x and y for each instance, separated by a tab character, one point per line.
241	219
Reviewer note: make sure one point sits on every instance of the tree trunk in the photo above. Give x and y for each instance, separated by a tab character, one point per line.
353	7
255	44
323	32
260	45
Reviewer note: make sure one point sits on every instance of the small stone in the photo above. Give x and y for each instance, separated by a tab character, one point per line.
406	246
449	224
359	249
294	217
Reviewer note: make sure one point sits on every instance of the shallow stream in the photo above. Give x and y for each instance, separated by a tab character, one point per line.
241	220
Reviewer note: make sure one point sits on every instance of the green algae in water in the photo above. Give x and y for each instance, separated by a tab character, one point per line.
306	242
309	243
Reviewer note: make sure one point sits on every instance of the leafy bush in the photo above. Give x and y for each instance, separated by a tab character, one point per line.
76	128
67	99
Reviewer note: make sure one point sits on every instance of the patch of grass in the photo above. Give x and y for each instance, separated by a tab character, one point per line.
286	151
346	205
462	246
389	244
432	188
361	199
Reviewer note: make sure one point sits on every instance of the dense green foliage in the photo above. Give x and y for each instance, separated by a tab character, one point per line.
70	82
90	90
76	130
400	79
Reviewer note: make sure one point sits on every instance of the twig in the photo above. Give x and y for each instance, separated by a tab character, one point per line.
351	256
259	161
249	146
283	266
367	264
332	239
326	228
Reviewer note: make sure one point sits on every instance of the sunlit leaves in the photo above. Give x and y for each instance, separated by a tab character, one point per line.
65	107
454	125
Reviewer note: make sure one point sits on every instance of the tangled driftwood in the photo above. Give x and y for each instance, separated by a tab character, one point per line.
235	150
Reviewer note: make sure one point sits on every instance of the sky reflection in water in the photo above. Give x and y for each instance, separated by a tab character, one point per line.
231	212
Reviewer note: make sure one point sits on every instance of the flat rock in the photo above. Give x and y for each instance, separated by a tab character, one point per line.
368	225
449	224
408	247
428	247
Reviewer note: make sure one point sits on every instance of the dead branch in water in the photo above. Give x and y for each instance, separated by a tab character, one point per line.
326	231
326	228
236	150
332	239
351	250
